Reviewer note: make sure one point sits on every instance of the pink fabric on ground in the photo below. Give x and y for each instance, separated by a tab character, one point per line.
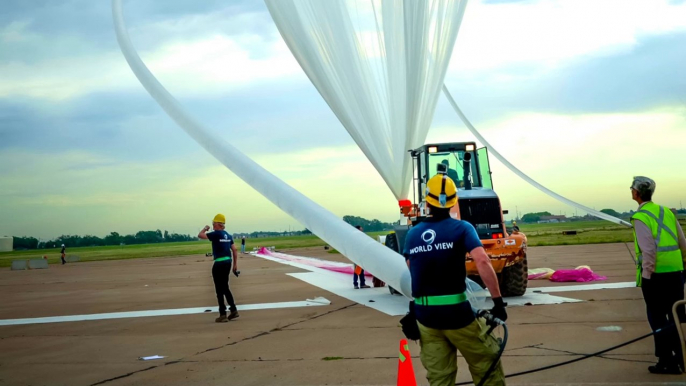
575	275
347	269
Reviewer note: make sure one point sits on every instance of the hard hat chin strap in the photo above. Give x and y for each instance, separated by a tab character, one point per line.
442	198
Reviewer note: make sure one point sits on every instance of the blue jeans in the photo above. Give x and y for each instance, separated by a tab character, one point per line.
361	275
242	248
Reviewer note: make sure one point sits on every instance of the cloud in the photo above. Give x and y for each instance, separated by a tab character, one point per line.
130	126
567	90
547	34
589	158
646	76
214	49
202	53
88	193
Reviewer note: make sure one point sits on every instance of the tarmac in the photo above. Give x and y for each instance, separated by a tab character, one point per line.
341	343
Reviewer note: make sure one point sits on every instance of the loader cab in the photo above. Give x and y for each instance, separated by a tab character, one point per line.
469	168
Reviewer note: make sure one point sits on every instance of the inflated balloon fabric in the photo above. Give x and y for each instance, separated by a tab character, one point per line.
379	65
355	245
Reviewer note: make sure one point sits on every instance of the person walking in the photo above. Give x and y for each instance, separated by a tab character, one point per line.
224	253
435	251
63	254
661	252
358	271
243	244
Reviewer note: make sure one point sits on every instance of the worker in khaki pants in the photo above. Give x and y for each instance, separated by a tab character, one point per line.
435	251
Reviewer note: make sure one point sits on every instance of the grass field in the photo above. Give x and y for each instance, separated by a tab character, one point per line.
588	232
155	250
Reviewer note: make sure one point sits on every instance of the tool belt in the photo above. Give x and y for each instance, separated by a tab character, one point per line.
441	300
409	324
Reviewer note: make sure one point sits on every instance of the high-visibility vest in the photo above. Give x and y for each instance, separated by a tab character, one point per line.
662	224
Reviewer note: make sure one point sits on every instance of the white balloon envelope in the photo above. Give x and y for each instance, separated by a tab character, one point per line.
379	65
399	104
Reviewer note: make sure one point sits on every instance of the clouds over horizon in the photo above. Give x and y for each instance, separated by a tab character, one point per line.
68	98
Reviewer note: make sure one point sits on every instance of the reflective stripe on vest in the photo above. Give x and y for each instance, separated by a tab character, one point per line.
222	259
662	224
441	300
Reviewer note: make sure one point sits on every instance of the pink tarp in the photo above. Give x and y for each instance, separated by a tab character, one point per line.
327	265
581	274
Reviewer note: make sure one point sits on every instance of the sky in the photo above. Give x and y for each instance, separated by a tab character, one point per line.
580	95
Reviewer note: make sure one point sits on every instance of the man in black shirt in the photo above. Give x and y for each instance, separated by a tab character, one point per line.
224	252
63	254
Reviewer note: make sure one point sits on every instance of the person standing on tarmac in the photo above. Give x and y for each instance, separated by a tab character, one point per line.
358	271
63	254
435	251
224	252
661	251
243	244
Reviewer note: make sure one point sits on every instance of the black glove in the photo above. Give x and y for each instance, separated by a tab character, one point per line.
498	309
409	324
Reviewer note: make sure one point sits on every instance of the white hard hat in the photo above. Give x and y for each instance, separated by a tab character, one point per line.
62	244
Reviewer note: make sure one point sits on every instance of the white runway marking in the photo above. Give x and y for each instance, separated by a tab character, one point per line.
177	311
381	300
583	287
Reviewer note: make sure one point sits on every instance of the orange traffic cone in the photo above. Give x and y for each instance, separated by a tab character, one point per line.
405	369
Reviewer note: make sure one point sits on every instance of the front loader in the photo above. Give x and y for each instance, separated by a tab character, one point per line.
477	203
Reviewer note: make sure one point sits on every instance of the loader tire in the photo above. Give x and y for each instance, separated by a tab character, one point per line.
514	279
392	242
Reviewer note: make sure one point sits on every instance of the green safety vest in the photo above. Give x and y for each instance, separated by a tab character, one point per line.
662	223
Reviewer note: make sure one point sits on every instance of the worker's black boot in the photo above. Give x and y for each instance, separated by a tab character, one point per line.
665	368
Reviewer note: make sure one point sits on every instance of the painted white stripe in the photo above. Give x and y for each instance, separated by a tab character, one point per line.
381	300
142	314
537	291
583	287
341	284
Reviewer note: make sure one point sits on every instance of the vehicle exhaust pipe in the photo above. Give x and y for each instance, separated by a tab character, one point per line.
467	169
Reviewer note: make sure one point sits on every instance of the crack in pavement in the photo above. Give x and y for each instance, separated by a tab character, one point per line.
124	376
340	328
571	353
182	360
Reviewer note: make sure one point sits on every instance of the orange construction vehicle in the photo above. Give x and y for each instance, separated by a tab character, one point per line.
477	203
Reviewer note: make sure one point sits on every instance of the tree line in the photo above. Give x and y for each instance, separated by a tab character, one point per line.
535	217
369	225
159	236
114	238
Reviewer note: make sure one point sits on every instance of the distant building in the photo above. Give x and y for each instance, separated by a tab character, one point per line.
6	243
552	219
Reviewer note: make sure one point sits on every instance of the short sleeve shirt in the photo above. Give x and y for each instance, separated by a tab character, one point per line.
221	243
436	251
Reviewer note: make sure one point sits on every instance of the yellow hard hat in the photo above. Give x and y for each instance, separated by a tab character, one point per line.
219	218
441	191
